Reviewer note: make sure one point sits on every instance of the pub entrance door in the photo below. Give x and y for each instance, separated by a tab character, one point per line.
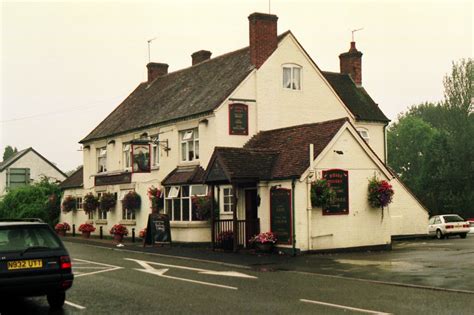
252	224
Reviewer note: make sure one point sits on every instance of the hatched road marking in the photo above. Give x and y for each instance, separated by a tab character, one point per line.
361	310
87	267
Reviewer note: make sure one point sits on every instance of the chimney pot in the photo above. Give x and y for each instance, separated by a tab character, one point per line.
351	63
263	37
200	56
156	70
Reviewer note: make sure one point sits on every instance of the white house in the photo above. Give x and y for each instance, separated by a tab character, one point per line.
25	167
253	128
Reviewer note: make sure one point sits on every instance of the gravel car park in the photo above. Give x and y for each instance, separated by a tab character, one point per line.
33	261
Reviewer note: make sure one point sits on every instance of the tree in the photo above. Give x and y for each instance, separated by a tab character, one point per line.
431	146
40	200
9	152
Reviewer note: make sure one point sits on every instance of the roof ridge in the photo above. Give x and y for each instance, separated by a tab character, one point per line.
304	125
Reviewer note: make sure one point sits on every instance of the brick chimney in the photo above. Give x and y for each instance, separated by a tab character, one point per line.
263	37
200	56
351	64
156	70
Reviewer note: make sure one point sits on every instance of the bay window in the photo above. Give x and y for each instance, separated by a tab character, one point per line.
178	202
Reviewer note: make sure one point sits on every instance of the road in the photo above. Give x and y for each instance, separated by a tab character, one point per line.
112	280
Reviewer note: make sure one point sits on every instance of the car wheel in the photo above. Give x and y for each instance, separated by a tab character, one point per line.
463	235
439	235
56	300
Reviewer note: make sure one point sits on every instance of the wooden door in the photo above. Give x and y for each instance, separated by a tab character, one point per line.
251	223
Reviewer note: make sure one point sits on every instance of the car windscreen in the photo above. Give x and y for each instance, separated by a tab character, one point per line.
453	218
19	238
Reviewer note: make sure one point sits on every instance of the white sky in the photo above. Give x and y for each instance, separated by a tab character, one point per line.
66	65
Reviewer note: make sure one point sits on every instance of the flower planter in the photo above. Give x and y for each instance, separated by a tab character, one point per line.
264	247
118	238
61	233
227	244
86	234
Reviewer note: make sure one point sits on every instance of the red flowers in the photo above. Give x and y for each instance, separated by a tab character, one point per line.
263	238
62	227
86	227
380	193
119	229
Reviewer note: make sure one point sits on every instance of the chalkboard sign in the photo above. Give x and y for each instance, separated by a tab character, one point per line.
238	119
338	181
280	214
158	229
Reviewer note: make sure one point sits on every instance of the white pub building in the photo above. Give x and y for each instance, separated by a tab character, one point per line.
253	128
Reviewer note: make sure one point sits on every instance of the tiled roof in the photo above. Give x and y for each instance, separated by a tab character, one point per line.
355	98
184	175
191	91
275	154
73	181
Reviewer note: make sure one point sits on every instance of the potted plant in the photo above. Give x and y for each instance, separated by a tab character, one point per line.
380	193
264	242
62	228
321	193
90	203
156	198
69	204
119	231
142	233
86	229
131	201
107	201
226	240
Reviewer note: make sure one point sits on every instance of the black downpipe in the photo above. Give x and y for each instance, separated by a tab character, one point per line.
293	215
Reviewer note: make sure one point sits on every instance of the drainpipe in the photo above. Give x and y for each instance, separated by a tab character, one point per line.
293	215
385	143
309	209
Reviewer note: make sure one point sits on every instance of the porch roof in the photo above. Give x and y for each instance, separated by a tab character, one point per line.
184	175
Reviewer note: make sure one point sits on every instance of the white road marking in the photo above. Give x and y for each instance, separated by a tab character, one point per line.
344	307
161	273
202	271
75	305
101	266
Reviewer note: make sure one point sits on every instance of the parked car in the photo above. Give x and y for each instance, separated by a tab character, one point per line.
33	261
471	223
445	225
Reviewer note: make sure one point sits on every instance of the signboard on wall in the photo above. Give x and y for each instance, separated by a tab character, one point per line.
141	158
280	214
238	119
338	181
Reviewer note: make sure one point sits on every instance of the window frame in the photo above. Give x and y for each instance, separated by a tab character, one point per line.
155	151
127	214
79	203
361	130
184	196
127	151
102	155
186	140
231	200
292	83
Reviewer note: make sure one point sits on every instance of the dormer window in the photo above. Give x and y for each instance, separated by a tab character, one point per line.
292	77
102	160
364	133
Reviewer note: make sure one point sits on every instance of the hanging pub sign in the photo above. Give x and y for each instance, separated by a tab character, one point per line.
141	158
280	214
158	229
338	181
238	119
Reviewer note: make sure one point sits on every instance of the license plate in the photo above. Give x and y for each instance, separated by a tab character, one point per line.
25	264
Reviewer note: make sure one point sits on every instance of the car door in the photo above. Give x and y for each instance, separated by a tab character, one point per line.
431	226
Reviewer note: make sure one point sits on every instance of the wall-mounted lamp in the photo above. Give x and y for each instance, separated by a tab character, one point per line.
163	144
338	152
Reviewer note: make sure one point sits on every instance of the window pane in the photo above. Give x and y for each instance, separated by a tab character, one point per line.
184	152
169	206
287	78
194	212
198	190
196	133
187	135
196	147
174	192
185	191
191	150
177	209
296	78
185	209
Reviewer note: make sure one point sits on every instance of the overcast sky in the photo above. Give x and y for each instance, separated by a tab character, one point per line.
66	65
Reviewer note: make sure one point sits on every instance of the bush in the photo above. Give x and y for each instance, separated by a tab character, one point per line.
40	200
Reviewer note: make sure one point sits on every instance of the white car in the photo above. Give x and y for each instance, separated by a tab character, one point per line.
445	225
471	222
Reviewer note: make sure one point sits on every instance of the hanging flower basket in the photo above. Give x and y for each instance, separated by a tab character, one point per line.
107	201
131	201
380	193
90	203
156	198
69	204
321	193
